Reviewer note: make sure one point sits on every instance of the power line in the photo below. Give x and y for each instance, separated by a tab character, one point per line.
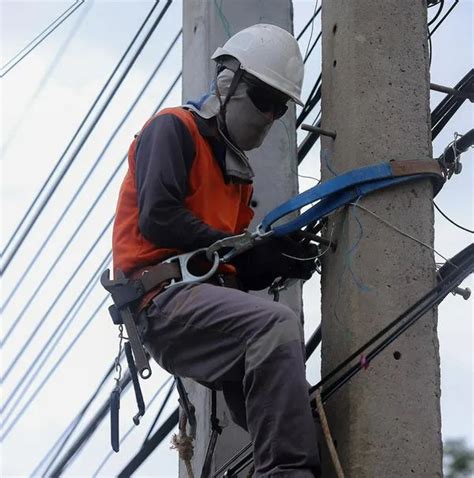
81	295
150	445
46	77
73	235
133	427
39	38
438	13
45	316
45	201
66	434
444	18
308	54
310	21
45	352
87	433
451	221
312	29
91	171
49	374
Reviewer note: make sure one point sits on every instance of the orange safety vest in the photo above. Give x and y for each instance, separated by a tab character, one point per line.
221	206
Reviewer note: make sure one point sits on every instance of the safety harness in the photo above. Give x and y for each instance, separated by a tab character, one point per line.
128	292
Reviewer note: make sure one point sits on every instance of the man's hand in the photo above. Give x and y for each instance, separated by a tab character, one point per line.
280	257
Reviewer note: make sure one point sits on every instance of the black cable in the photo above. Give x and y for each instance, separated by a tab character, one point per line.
444	18
55	301
80	297
74	7
51	343
160	411
432	299
146	450
450	104
464	266
313	99
73	425
90	173
85	435
310	21
438	13
46	76
133	427
73	235
311	32
451	221
27	228
308	54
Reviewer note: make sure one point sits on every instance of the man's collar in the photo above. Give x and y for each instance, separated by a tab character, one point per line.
206	126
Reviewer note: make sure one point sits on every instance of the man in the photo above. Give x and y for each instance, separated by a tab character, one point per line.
189	184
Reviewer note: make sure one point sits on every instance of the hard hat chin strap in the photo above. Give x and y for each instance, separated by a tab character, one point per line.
233	86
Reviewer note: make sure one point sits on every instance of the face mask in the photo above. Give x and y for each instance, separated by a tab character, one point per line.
246	125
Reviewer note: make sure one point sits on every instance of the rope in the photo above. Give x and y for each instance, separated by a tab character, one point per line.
327	436
184	444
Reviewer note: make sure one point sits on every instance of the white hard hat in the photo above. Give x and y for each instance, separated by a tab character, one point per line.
269	53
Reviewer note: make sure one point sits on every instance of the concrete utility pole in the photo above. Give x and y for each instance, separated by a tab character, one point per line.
386	421
207	25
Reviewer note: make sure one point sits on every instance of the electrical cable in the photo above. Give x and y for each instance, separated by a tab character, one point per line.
438	13
85	435
60	21
451	221
49	374
64	321
310	21
446	109
45	352
308	54
311	32
160	411
30	338
395	228
225	22
313	98
464	267
44	80
146	450
444	18
74	234
78	228
91	171
57	445
84	120
133	427
27	229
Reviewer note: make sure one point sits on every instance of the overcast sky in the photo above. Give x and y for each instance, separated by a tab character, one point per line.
44	98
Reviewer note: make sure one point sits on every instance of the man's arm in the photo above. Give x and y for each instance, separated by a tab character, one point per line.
164	157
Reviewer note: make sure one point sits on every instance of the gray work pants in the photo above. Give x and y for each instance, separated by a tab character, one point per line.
253	350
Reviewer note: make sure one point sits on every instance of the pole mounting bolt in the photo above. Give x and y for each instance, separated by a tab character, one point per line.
465	293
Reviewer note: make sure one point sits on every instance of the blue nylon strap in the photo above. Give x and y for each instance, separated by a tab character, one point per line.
335	201
334	185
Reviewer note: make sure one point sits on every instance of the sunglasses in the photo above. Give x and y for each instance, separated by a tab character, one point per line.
266	98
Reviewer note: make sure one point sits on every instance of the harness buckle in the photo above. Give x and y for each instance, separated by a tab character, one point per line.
187	276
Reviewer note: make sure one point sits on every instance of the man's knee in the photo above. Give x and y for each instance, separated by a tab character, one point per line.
281	328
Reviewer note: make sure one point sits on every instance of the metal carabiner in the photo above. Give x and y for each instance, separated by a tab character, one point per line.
237	244
186	275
